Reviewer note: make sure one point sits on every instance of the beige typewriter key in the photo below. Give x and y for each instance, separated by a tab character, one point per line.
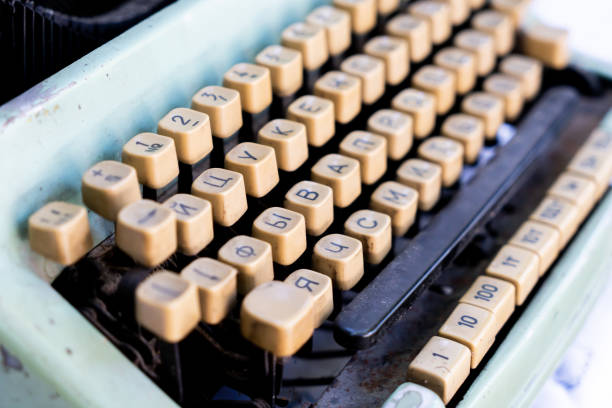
147	232
527	70
394	52
254	84
363	14
438	16
399	202
257	163
547	44
373	229
482	45
594	164
414	30
277	317
154	158
497	24
459	10
438	81
386	7
518	266
344	90
337	25
473	327
60	231
252	258
509	89
109	186
495	295
462	63
310	40
216	283
541	239
467	130
226	192
315	202
317	285
285	65
514	8
370	150
194	222
167	305
317	114
421	106
285	230
600	140
341	258
425	177
488	107
191	132
476	4
442	366
576	189
445	152
289	140
222	105
371	71
396	127
559	214
342	174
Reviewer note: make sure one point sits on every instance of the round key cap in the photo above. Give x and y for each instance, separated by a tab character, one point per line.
488	107
315	202
308	39
317	114
467	130
285	230
253	83
337	25
425	177
60	231
317	285
257	164
146	231
371	151
225	190
222	105
371	71
278	317
499	25
410	394
482	45
342	174
438	81
194	222
445	152
109	186
363	14
373	229
154	158
252	258
421	106
289	141
341	258
394	126
414	30
216	284
285	65
167	305
190	131
394	52
344	90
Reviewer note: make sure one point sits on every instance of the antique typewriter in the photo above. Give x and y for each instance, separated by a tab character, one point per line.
307	203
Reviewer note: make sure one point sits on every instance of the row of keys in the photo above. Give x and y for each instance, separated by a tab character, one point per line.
445	361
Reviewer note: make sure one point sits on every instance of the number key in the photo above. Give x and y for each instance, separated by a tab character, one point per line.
222	105
154	158
191	132
495	295
253	83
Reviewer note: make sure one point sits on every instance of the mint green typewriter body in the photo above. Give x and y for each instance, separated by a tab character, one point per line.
51	356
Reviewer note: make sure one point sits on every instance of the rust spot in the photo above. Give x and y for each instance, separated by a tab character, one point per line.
68	351
9	361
